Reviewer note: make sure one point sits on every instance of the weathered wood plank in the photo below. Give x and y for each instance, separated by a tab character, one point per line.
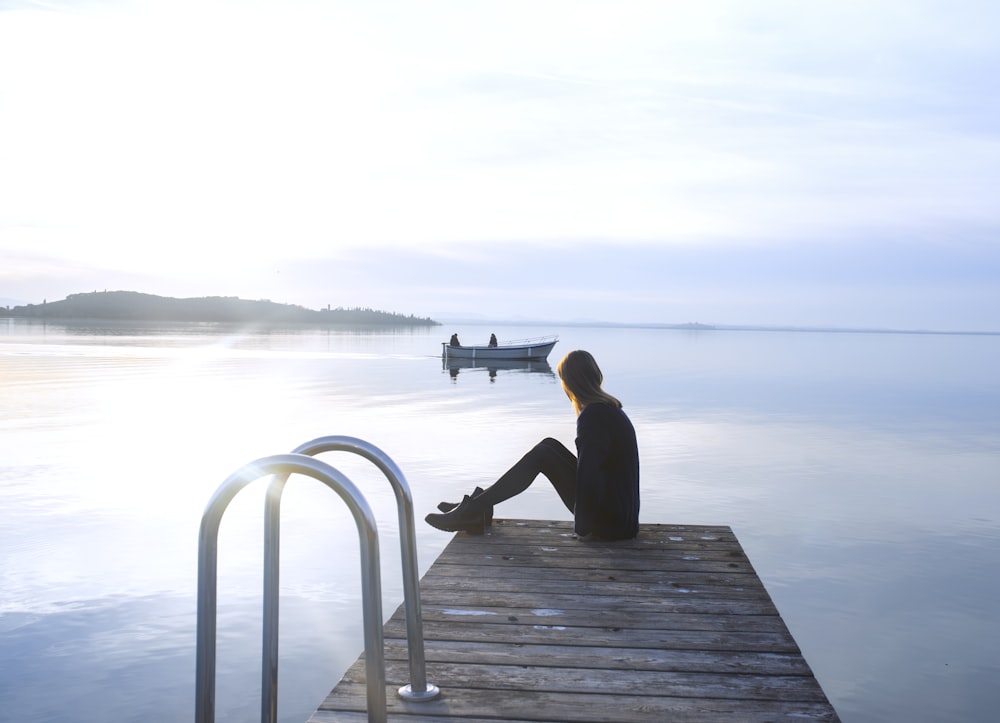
666	585
528	623
647	558
725	661
639	584
604	604
584	707
614	637
583	618
535	678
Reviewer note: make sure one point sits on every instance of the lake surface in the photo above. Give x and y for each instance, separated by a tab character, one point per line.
860	471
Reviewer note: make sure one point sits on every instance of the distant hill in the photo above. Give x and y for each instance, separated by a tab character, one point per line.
134	306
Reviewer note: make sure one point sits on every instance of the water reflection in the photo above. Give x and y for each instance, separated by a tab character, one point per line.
859	472
535	366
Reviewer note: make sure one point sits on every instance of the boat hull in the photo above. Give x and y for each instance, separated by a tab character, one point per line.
512	352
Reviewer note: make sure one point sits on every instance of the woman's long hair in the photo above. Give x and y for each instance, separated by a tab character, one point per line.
582	378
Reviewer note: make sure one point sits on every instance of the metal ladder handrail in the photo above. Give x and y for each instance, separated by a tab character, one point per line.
371	588
418	689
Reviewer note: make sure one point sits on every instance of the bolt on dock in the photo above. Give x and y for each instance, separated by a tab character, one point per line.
528	623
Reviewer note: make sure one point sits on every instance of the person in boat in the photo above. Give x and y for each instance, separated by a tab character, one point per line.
493	340
599	484
454	340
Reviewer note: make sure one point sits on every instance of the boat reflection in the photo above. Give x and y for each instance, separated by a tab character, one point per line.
491	367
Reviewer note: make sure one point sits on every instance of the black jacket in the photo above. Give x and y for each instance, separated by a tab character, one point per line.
607	474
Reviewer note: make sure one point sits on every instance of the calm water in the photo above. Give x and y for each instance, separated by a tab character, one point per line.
860	472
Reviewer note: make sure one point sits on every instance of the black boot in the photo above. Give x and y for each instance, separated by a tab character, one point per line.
449	506
468	516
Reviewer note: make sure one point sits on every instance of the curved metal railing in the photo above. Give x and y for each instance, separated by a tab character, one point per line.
280	467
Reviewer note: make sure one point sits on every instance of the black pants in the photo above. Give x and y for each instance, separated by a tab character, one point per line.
550	458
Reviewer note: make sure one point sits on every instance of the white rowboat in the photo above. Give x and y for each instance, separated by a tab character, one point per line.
511	351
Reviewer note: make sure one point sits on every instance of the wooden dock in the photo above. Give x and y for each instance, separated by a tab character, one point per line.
527	623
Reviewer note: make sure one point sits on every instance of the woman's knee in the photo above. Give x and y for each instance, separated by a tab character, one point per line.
553	456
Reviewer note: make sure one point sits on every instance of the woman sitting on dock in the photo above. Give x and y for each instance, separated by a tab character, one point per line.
599	485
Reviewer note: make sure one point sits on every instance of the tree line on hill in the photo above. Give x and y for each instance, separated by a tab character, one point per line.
135	306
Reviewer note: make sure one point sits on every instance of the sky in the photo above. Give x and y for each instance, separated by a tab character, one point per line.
770	162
